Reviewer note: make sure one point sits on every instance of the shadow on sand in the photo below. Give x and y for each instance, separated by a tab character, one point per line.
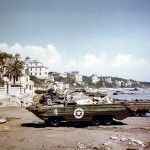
70	124
34	125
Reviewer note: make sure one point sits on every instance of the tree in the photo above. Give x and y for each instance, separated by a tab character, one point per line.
27	72
3	58
14	69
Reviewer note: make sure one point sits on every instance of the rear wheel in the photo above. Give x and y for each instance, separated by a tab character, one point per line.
143	114
137	114
55	122
108	121
96	121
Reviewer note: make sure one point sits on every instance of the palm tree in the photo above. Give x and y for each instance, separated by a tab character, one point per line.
14	69
3	58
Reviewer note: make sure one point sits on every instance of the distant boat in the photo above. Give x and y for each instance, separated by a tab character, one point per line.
135	89
115	93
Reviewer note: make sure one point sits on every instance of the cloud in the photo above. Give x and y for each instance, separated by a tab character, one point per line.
125	66
48	55
121	60
126	61
4	46
131	67
89	61
72	64
129	64
121	65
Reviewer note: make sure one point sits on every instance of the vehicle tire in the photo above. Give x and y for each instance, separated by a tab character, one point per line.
49	101
137	114
125	104
143	114
96	121
47	123
55	122
108	121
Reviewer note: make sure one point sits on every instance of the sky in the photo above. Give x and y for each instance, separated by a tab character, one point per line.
103	37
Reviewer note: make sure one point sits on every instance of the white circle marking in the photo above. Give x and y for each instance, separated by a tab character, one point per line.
78	113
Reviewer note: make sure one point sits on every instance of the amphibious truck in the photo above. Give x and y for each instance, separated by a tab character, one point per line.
96	108
73	112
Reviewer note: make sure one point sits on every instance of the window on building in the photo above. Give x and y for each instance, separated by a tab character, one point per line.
35	73
39	73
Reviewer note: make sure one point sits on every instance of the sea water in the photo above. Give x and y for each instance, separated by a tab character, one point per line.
129	93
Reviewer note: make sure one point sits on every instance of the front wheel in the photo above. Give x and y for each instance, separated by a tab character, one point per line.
108	121
55	122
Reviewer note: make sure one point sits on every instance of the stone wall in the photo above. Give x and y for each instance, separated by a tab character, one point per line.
7	89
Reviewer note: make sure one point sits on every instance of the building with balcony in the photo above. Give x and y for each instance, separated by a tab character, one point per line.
36	68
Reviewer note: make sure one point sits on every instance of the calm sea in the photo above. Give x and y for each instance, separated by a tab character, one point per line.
129	94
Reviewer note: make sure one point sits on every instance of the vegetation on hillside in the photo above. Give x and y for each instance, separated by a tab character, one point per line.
38	82
67	80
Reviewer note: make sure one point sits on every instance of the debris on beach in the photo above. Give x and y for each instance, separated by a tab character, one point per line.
133	142
85	146
16	100
106	146
4	128
37	97
113	137
2	120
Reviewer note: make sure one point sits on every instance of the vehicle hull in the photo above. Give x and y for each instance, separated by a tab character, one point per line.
80	112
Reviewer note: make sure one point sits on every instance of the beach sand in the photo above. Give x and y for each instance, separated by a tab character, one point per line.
24	131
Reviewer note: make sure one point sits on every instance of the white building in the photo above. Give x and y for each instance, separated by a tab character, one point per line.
36	68
108	79
61	86
51	78
95	78
119	83
27	86
77	76
128	83
64	75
